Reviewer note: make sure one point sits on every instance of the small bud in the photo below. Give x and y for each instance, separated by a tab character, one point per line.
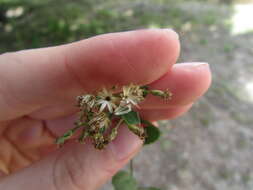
113	134
164	94
61	140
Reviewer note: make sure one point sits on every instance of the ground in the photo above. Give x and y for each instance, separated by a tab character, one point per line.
210	147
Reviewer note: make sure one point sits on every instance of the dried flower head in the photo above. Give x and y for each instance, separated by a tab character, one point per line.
132	94
86	101
105	99
98	113
100	121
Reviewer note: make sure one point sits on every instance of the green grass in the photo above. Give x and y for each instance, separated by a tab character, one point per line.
45	23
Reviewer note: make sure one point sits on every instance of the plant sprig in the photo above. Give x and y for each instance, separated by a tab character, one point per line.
102	114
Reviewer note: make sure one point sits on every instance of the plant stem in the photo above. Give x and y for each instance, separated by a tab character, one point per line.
132	167
114	131
119	123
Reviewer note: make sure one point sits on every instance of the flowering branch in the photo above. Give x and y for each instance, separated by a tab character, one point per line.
99	112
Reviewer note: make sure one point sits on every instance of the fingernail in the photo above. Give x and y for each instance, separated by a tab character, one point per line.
193	65
172	32
125	145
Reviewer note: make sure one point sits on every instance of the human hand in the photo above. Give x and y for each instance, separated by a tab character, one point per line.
38	89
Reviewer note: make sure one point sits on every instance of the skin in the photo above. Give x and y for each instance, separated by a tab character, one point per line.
38	89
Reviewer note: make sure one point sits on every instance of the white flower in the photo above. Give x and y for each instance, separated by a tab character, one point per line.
106	100
123	108
132	94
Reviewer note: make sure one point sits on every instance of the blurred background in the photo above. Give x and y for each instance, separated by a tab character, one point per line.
209	148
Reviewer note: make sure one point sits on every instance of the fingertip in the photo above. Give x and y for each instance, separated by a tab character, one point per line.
195	76
186	81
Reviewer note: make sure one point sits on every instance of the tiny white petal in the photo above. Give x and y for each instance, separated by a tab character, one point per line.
123	110
102	107
109	108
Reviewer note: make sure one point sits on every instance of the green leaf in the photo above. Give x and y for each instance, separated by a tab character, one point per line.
131	118
124	181
153	133
149	188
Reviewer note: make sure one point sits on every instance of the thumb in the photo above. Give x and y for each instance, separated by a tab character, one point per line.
76	166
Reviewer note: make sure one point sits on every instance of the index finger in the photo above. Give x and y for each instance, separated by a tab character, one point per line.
33	79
